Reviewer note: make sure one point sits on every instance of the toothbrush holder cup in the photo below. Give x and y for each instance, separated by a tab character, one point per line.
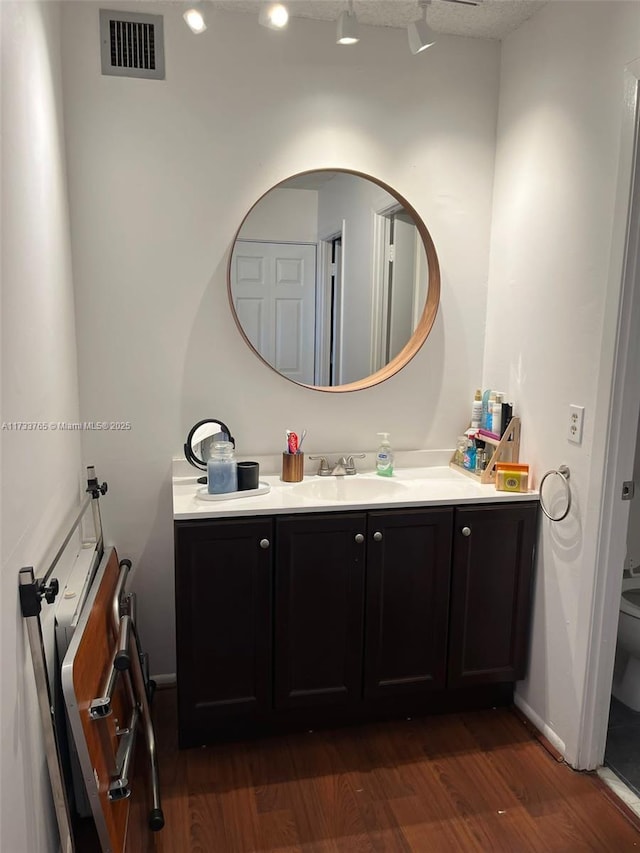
292	467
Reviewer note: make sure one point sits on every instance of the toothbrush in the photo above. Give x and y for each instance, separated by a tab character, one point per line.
304	432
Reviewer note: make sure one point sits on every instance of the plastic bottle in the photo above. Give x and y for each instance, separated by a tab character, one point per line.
469	460
476	410
496	412
384	456
222	474
489	399
481	458
507	414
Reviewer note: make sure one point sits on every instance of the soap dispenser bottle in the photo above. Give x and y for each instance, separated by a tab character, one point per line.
384	456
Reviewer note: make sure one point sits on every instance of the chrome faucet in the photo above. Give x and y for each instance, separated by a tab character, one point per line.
345	466
340	468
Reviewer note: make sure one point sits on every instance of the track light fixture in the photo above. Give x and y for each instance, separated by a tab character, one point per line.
421	36
348	26
195	18
274	15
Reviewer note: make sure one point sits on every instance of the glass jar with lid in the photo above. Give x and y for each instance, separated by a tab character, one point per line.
222	476
461	445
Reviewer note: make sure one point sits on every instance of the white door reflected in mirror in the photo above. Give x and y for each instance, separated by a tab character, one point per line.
273	288
334	280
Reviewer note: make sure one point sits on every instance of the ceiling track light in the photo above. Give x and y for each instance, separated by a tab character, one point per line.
348	27
274	16
195	18
421	36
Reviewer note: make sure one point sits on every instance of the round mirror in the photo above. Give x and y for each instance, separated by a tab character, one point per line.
197	448
334	280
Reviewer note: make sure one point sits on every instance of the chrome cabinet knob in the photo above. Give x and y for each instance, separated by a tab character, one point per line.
466	531
359	538
264	544
377	536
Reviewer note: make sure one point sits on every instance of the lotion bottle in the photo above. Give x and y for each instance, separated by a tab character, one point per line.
476	410
384	456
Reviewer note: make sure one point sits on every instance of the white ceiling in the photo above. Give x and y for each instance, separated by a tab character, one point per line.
493	19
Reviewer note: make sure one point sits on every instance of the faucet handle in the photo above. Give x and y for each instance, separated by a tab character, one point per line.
350	465
323	467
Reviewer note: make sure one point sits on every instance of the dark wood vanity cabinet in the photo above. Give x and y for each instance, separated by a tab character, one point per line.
319	612
335	643
223	622
492	573
306	617
407	601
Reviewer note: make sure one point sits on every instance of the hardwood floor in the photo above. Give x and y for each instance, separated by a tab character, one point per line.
476	781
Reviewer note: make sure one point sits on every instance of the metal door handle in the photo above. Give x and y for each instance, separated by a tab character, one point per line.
359	538
264	544
377	536
466	531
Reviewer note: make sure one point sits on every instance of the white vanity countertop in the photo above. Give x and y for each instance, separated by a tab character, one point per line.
409	487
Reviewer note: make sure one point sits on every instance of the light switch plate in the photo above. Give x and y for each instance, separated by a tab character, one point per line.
576	422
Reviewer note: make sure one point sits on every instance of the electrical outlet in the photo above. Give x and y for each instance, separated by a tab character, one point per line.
576	422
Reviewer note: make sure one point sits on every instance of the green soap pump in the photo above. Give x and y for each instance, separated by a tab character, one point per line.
384	456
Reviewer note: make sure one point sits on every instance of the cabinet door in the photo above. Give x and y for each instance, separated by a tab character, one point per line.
319	601
407	612
223	621
493	552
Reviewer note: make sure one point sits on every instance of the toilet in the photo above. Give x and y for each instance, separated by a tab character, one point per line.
626	679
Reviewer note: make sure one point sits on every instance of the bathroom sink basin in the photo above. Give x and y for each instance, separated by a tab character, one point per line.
348	489
433	474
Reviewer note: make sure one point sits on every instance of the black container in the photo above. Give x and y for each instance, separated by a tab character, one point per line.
248	476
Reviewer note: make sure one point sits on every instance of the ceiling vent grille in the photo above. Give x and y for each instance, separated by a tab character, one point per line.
131	45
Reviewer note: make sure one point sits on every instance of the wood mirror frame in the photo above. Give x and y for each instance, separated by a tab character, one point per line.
427	318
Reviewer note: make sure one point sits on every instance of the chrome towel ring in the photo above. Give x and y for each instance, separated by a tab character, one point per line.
564	474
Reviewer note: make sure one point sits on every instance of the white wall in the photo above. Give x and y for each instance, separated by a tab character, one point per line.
283	215
40	469
161	175
561	108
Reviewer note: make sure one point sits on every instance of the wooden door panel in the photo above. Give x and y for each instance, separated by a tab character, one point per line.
407	601
223	616
491	593
319	601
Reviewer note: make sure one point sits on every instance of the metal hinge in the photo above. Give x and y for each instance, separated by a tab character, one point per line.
628	488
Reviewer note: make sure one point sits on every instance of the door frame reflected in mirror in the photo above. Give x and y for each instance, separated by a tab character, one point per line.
325	365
